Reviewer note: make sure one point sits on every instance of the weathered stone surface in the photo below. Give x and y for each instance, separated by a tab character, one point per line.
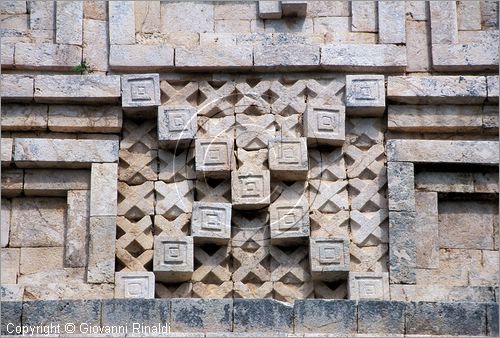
269	9
286	55
474	152
294	8
10	265
443	293
37	222
11	292
254	132
36	152
401	186
250	188
201	315
486	182
200	19
5	223
437	89
141	57
42	15
6	151
289	222
133	284
434	118
381	317
288	160
127	313
469	15
211	222
77	228
427	230
173	258
172	199
364	16
402	247
492	319
444	27
22	117
417	42
13	7
101	255
140	91
214	157
466	224
47	56
62	312
35	260
48	182
95	43
69	22
457	56
365	94
17	87
103	189
121	23
324	125
363	57
368	285
213	57
77	88
490	119
493	88
444	181
147	16
329	258
87	119
391	15
262	315
12	182
11	313
446	318
325	316
7	56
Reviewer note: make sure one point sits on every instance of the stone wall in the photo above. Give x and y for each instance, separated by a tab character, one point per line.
244	151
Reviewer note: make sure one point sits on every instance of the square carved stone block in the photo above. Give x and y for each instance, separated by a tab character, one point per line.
173	258
132	284
214	157
365	94
211	222
288	159
369	285
324	125
140	91
329	258
176	126
289	222
250	188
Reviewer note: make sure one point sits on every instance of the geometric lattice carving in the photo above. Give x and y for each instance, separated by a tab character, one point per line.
137	168
328	196
134	244
135	202
327	166
290	265
212	268
174	199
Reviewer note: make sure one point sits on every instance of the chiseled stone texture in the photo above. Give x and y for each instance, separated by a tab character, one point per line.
201	315
101	261
35	260
126	312
23	117
263	316
401	186
211	57
5	222
10	259
402	247
325	316
47	56
103	189
6	151
140	91
135	284
16	88
381	317
49	182
86	119
286	55
11	313
141	57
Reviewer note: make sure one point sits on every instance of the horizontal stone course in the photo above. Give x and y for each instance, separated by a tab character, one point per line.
141	57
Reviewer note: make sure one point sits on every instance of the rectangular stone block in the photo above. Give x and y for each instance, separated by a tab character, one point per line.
135	284
5	223
11	292
37	152
442	293
35	260
418	54
61	312
469	15
368	285
392	16
11	313
365	94
6	151
103	189
7	56
141	57
325	316
37	222
200	19
427	230
86	119
468	319
269	9
201	315
444	23
95	43
250	188
324	125
77	228
48	182
213	57
42	15
47	56
381	317
444	181
173	258
364	57
289	222
490	119
13	7
262	315
493	88
438	151
478	57
329	258
69	22
214	157
22	117
121	23
17	88
140	91
434	118
437	89
364	16
492	319
486	182
211	222
288	159
402	247
101	255
294	8
177	126
12	182
123	314
401	186
286	55
10	265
